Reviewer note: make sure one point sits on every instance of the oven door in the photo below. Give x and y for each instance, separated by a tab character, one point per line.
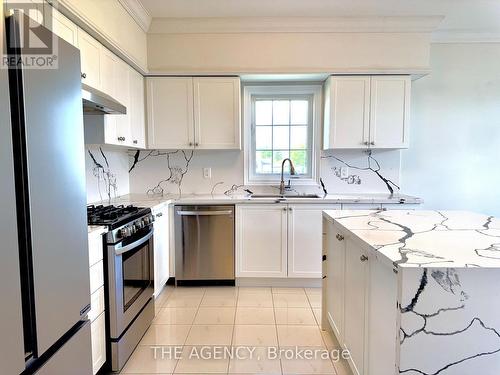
130	279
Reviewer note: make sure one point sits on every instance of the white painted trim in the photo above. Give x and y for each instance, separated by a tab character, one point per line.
278	282
416	24
277	88
137	11
84	22
465	36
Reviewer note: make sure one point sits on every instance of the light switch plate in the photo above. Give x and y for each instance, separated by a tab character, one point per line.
344	172
207	172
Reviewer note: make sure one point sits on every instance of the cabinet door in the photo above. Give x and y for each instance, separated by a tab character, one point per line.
123	134
356	273
170	113
261	240
98	336
335	280
137	109
90	59
107	69
61	26
347	106
161	249
389	111
217	113
304	239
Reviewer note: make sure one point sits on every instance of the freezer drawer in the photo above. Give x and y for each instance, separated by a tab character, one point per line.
204	243
74	357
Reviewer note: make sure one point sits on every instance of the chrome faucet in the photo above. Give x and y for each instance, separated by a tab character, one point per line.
292	172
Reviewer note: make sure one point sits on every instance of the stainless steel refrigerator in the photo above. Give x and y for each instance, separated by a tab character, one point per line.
44	273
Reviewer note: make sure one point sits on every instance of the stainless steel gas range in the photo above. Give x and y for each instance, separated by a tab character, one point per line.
129	273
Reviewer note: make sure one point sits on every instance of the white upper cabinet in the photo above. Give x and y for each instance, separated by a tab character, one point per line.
217	113
90	55
108	62
137	107
123	133
185	113
170	113
366	111
60	25
389	111
347	112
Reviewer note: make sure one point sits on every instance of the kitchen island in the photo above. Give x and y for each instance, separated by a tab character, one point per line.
413	292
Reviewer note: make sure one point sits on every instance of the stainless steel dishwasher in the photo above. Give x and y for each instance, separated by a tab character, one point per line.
204	244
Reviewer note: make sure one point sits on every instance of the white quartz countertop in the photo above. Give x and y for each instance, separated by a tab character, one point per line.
96	229
151	201
451	239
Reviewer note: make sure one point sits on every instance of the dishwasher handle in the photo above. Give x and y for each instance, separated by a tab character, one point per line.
204	213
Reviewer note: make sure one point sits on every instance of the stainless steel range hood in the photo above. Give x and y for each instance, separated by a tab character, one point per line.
97	102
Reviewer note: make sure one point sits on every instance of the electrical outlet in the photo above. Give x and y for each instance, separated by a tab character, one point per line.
344	172
207	172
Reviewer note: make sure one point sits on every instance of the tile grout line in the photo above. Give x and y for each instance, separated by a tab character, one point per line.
276	329
190	328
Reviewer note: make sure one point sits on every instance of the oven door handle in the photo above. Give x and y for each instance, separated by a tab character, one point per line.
204	213
120	250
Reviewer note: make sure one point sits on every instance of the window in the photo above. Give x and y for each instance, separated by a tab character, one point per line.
280	124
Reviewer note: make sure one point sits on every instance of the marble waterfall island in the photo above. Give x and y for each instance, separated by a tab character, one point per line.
414	292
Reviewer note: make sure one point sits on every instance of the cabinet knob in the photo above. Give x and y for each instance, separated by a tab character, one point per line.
284	209
196	144
135	141
366	143
372	143
190	143
121	139
339	237
84	75
290	209
363	258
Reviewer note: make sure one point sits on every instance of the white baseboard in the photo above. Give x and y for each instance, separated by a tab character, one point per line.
277	282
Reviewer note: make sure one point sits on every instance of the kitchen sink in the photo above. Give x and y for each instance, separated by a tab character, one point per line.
286	196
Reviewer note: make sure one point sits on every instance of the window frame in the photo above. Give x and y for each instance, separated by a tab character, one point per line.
311	92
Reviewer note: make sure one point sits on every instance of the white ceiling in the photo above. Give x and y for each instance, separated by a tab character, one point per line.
461	16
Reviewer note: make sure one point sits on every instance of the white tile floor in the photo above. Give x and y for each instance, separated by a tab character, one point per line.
188	319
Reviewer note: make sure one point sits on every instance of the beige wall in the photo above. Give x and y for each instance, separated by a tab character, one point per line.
284	52
113	23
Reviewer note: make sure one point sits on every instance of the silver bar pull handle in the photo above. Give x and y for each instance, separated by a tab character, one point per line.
204	213
133	245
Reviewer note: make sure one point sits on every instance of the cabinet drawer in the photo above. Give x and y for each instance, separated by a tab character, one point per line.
98	337
95	248
96	303
96	276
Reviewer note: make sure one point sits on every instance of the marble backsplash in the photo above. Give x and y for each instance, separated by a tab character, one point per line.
112	172
175	172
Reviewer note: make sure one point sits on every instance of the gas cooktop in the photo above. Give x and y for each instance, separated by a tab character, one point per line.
114	216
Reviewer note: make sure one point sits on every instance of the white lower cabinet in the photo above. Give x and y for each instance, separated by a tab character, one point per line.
355	303
361	299
98	337
279	240
304	239
97	305
261	240
161	247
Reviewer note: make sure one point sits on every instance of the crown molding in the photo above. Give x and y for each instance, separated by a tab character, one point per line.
137	11
465	36
423	24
